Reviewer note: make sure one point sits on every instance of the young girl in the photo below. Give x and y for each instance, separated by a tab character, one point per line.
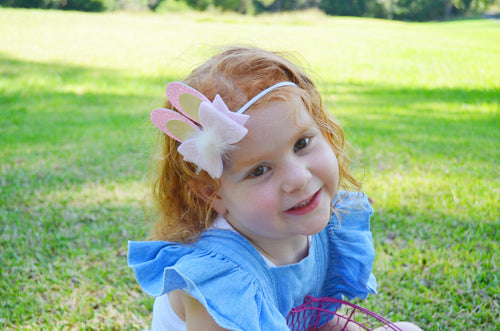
254	212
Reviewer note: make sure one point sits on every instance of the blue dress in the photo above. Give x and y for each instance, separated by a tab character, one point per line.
225	273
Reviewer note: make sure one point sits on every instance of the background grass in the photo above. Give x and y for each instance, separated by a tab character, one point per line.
419	102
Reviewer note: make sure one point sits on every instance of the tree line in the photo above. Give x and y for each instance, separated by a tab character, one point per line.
411	10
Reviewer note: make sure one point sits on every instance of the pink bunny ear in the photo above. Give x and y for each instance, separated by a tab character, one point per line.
185	99
173	124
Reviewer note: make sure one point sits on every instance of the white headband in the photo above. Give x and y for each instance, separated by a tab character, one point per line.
261	94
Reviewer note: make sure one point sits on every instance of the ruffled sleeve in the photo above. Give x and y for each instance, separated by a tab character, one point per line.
351	248
234	298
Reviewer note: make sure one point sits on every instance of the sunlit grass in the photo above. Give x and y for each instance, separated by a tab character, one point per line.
419	102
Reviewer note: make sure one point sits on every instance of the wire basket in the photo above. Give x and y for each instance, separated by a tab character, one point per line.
331	314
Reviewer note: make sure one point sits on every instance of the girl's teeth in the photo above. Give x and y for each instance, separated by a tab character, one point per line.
305	203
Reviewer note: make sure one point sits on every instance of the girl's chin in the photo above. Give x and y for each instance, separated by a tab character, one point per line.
317	226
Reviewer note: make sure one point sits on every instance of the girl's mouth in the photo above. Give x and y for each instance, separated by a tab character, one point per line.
305	206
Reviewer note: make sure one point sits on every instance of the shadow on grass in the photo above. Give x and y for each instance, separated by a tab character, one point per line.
67	125
440	123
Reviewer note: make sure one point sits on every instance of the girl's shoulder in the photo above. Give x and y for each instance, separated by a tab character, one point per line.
351	250
216	253
352	200
219	262
352	210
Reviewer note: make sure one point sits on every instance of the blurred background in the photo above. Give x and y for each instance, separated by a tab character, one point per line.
414	10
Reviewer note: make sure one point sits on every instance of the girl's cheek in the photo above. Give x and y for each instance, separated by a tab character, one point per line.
264	198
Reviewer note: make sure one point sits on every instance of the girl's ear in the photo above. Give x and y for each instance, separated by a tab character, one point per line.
208	193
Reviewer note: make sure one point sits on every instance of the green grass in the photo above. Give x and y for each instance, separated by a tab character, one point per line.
419	102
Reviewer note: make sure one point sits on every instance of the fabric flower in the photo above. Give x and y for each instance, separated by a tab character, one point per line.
221	128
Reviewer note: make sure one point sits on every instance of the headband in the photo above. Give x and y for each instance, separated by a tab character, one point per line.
206	129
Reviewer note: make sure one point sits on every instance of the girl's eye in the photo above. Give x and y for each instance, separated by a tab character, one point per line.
259	171
301	144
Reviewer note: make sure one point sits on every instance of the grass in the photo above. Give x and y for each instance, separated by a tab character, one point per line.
419	102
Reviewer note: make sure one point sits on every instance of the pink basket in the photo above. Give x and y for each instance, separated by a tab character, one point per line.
332	314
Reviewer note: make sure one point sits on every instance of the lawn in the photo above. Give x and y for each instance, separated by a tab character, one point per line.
419	103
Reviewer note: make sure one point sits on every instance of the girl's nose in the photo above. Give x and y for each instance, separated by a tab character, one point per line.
296	175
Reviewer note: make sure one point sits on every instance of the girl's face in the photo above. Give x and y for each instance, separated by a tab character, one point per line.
280	180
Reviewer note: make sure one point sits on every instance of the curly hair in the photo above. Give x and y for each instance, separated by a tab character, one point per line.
237	74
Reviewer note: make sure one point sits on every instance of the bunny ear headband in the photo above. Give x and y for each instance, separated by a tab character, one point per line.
206	130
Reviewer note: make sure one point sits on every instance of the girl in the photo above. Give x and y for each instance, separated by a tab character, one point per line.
254	213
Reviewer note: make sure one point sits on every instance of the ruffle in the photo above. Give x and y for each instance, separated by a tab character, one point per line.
161	267
351	248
